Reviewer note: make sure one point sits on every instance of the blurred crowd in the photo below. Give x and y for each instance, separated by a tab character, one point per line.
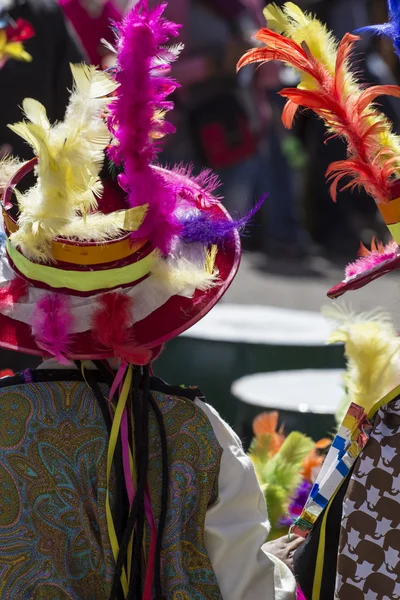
226	122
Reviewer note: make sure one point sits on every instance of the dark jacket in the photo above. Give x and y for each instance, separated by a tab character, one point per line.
47	78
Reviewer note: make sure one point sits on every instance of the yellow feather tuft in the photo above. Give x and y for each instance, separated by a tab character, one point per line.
276	18
98	227
181	276
8	167
211	257
372	350
70	157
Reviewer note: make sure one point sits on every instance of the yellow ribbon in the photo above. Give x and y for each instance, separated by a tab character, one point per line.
81	281
116	426
13	50
319	565
395	231
386	400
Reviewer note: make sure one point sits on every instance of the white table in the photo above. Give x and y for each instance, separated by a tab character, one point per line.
262	325
317	391
307	400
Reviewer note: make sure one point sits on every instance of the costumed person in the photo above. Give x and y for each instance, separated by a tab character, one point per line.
351	518
36	48
92	21
112	483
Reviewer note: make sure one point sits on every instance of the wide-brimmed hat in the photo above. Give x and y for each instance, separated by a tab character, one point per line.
329	87
113	266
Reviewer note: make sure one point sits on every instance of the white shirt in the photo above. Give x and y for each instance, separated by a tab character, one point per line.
237	526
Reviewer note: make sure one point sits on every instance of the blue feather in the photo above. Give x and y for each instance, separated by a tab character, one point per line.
394	7
391	29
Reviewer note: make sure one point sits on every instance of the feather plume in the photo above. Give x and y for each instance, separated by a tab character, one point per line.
137	117
315	459
8	167
179	274
112	328
372	350
345	114
52	324
201	187
13	291
266	424
96	227
206	228
369	259
299	26
303	27
391	29
280	474
70	156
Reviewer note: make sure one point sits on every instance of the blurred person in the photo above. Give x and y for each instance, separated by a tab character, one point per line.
93	21
47	77
224	120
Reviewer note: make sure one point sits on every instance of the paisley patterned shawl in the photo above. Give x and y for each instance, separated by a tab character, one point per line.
53	534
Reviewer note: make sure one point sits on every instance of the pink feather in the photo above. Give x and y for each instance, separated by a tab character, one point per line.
370	259
200	188
52	325
142	72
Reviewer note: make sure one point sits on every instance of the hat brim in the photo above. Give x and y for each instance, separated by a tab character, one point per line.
170	320
362	279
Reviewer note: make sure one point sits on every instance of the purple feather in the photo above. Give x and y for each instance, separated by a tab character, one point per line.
299	501
142	72
208	229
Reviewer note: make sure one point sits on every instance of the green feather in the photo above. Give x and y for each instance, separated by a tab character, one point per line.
280	475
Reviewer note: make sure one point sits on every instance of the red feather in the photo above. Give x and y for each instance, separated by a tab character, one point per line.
6	373
112	324
348	116
289	113
13	291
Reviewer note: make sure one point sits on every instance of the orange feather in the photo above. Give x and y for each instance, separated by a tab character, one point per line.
347	116
266	424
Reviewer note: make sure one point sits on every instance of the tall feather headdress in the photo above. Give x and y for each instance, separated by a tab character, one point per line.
328	87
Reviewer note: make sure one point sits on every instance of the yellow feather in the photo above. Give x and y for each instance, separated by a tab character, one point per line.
301	27
276	18
8	167
180	275
70	157
372	350
36	113
211	256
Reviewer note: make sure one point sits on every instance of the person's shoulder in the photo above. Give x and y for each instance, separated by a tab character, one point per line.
227	438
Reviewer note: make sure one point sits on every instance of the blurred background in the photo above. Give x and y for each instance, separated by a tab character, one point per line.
300	241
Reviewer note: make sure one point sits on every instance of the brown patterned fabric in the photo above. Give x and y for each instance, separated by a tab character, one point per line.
369	549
